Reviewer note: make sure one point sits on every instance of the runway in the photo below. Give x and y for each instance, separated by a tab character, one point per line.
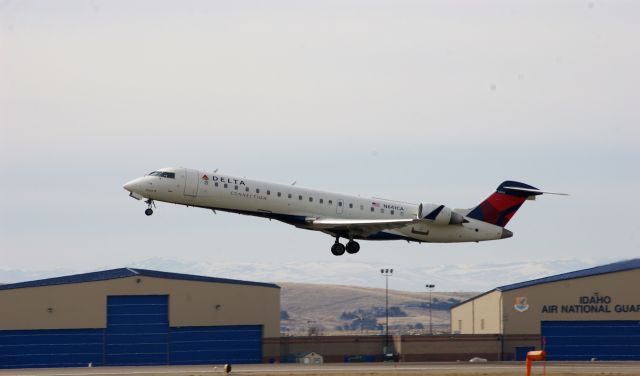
432	369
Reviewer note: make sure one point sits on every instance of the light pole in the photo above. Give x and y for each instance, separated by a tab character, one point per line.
430	287
386	273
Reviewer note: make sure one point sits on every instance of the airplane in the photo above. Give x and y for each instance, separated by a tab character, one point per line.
338	215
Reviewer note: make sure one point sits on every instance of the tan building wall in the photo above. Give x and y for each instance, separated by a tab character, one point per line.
462	318
618	289
191	303
561	300
478	316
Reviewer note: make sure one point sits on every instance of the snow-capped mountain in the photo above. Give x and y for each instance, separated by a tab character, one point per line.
453	277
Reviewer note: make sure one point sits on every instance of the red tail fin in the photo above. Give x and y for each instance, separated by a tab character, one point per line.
499	208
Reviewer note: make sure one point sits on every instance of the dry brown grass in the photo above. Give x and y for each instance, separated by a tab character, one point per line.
321	304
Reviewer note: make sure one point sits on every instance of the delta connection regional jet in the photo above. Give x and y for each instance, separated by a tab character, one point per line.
338	215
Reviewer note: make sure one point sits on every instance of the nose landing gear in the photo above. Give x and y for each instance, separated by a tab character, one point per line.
150	203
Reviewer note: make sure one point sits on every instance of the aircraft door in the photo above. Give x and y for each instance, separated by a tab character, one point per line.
190	182
339	206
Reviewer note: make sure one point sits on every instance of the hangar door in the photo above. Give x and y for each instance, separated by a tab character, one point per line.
51	348
138	333
137	330
583	340
216	344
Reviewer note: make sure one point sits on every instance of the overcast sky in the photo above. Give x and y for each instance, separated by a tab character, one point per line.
421	101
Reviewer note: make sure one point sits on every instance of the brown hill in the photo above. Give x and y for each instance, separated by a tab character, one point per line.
338	309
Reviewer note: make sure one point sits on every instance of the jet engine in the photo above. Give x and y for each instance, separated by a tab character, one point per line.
440	215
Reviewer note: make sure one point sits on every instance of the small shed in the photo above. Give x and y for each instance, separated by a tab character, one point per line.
310	358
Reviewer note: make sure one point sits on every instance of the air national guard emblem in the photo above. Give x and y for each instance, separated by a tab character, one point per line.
521	304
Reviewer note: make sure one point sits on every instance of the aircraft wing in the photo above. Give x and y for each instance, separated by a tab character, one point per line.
362	227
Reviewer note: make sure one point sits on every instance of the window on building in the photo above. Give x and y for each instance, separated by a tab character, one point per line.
481	324
460	326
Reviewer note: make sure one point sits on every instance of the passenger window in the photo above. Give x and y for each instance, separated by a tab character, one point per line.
392	212
339	203
257	190
299	197
268	192
330	202
310	199
216	184
226	185
289	195
372	209
322	201
236	188
279	194
381	210
246	189
350	206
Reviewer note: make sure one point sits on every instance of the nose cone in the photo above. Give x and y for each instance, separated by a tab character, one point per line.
506	234
132	185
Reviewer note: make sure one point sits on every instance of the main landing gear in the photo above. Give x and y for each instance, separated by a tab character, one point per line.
338	248
150	203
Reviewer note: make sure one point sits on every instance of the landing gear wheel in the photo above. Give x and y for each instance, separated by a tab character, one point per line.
337	249
148	211
352	247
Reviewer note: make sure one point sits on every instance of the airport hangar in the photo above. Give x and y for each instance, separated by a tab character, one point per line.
136	317
590	313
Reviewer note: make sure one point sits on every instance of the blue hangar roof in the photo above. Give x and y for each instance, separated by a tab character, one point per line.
124	273
598	270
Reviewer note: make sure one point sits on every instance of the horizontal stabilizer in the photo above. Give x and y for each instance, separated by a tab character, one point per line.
534	191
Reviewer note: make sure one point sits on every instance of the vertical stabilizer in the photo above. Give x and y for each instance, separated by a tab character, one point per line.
499	208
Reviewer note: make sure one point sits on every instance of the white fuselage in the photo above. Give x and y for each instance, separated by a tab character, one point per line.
298	206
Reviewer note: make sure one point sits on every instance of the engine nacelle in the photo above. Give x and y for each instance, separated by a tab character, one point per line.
439	214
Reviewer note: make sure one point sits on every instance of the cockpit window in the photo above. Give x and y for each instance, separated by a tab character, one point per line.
163	174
